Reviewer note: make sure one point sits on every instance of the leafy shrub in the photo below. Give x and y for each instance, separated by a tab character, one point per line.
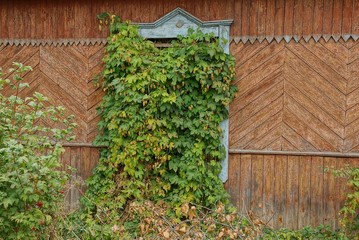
31	183
350	212
161	120
321	232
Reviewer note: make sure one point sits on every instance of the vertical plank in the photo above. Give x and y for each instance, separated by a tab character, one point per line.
328	17
262	12
228	9
337	17
10	20
245	17
288	17
330	193
82	19
280	190
304	191
245	183
347	17
298	19
94	30
253	18
31	18
292	193
205	9
86	163
355	20
279	17
215	9
257	185
75	163
237	19
271	18
198	8
232	185
342	186
308	11
318	17
269	175
2	20
317	194
69	19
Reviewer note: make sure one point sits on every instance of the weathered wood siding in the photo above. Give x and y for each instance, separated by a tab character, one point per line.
296	96
252	19
83	159
64	74
301	94
288	190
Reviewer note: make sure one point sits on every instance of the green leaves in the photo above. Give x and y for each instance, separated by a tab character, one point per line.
161	117
30	179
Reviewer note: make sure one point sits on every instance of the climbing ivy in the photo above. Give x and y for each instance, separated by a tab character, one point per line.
160	119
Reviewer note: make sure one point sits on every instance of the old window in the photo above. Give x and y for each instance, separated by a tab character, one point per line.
177	23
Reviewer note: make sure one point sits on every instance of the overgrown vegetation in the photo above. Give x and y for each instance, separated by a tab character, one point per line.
158	176
161	120
350	212
31	186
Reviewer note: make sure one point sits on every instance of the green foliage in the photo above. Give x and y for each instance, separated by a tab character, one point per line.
350	212
160	120
30	182
321	232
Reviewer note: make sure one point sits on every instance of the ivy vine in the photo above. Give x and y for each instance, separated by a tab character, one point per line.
161	118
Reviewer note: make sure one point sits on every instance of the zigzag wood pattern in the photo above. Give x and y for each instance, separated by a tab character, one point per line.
65	75
296	96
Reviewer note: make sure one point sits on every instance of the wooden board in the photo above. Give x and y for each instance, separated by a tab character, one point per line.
296	96
253	20
295	190
65	75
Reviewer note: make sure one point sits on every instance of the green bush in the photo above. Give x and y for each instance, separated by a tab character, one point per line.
350	212
31	184
161	120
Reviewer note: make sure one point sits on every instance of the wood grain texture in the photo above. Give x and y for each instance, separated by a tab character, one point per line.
253	20
295	190
84	160
296	96
65	75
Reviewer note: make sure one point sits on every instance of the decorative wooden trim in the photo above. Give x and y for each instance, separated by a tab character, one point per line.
53	42
177	22
288	38
292	153
235	39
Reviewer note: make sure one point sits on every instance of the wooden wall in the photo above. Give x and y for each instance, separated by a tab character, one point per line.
64	74
259	19
84	160
300	95
288	190
296	96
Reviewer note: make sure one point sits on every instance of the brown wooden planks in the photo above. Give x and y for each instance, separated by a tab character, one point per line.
304	197
292	191
245	184
257	19
256	203
312	88
269	175
280	191
330	192
294	188
234	175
